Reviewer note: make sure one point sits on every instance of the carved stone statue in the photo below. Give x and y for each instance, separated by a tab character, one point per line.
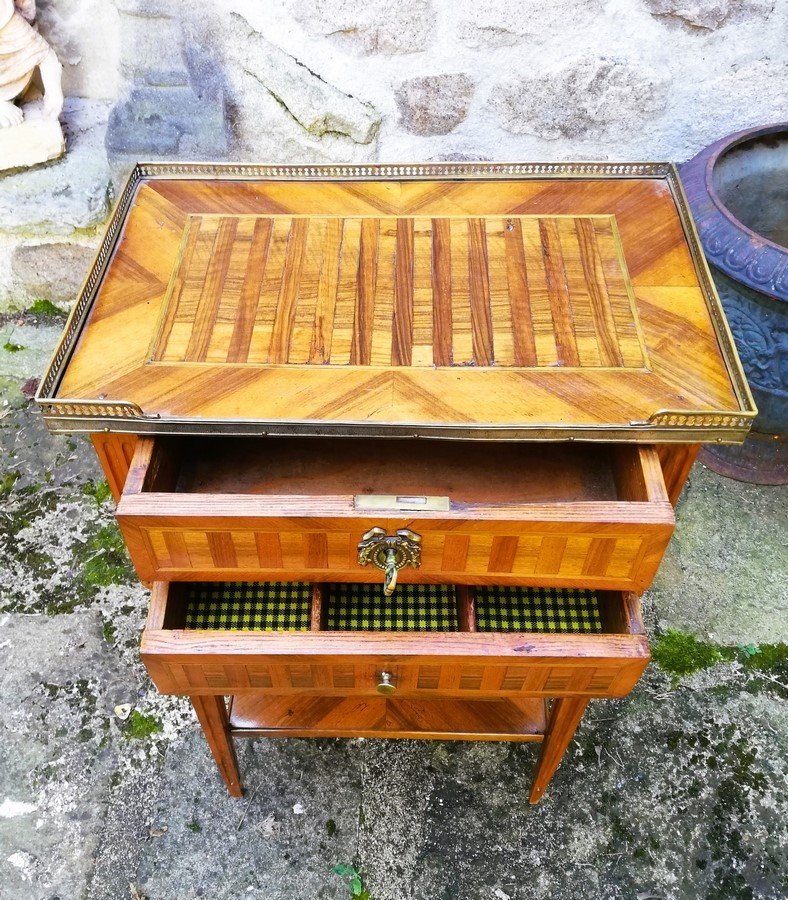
22	51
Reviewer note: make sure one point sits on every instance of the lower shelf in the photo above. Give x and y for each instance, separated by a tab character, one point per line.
253	715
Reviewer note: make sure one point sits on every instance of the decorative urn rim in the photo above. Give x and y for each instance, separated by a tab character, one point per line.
741	253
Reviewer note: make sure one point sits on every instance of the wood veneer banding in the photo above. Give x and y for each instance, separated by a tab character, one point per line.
573	515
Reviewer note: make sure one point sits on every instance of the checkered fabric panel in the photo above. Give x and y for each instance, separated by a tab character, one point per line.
537	609
412	607
247	606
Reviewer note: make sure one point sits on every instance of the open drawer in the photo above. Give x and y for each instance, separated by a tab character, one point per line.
347	640
572	515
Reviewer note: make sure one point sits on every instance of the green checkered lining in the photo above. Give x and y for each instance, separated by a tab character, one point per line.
286	606
537	609
412	607
245	606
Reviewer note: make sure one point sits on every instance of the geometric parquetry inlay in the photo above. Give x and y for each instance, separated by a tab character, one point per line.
563	307
515	291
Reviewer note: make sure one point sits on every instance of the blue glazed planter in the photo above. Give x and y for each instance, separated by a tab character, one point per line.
738	191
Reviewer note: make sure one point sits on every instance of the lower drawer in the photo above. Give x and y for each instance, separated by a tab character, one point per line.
428	641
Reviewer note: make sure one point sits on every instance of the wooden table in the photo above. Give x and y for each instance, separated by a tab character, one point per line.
492	379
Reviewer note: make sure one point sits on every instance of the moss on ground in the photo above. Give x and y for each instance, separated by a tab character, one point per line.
680	654
140	727
106	561
109	632
45	309
98	490
41	583
7	482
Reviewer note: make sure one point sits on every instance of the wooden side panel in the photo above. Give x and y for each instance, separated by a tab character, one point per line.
676	461
115	453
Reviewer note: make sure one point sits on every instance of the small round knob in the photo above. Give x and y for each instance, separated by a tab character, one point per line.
385	685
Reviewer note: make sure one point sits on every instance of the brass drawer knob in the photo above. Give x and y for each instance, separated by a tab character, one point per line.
385	685
390	552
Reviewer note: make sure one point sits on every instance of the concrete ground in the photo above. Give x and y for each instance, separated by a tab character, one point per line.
677	791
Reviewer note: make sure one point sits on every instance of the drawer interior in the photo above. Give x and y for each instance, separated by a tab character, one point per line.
301	606
468	474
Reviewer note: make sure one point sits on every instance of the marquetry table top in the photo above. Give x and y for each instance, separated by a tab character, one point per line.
487	301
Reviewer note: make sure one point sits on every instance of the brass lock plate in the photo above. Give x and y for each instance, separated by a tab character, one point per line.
390	552
405	502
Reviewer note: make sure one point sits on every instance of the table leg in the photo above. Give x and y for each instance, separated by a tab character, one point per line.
564	719
212	713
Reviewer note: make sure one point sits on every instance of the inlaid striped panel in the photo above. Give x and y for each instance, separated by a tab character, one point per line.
588	559
447	679
516	291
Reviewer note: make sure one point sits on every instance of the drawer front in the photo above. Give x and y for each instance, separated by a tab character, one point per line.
188	536
584	555
615	555
433	677
465	663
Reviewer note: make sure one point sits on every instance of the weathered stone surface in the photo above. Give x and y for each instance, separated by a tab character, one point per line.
317	106
150	9
52	271
85	36
25	350
708	14
734	99
434	104
151	50
261	126
163	120
370	26
67	194
263	130
47	268
57	680
734	590
499	23
32	142
173	103
578	98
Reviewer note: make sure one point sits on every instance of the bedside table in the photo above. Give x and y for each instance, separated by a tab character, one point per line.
397	447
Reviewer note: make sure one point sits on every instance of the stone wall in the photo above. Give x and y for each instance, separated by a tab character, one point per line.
375	80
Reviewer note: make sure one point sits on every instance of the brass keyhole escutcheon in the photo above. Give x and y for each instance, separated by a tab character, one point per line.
390	552
386	685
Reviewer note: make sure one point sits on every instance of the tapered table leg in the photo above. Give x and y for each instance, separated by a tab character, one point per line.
564	719
212	713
